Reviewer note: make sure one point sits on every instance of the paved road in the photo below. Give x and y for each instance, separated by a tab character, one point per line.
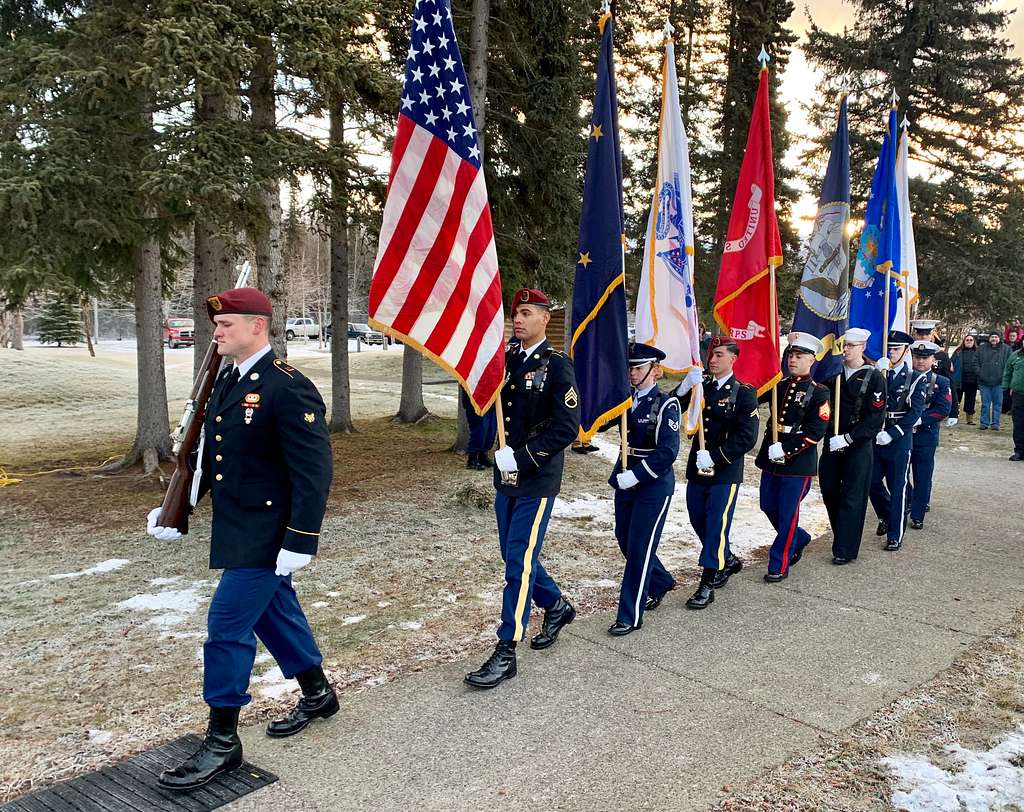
664	718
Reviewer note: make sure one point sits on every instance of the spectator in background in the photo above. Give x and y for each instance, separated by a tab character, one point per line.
1013	381
964	375
1013	342
992	357
1012	327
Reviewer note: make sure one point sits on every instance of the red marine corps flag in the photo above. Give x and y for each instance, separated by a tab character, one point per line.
746	305
435	282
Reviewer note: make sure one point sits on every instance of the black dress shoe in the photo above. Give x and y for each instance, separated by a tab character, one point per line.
559	615
914	523
796	556
775	577
892	545
703	597
732	566
1016	458
500	666
621	629
654	601
882	529
477	462
838	560
220	752
318	702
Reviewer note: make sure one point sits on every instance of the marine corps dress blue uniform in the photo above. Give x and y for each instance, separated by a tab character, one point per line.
802	419
730	432
541	418
266	463
845	474
893	444
652	436
938	405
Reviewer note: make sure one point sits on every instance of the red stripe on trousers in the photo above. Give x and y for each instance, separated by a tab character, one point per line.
480	237
792	527
408	222
440	252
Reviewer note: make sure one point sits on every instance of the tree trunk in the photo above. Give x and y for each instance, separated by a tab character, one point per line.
341	395
18	336
87	325
152	429
411	408
269	257
214	259
478	93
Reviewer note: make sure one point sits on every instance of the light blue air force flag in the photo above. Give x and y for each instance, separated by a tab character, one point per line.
878	260
823	301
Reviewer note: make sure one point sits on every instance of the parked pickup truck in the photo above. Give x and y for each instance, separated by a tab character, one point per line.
179	332
301	327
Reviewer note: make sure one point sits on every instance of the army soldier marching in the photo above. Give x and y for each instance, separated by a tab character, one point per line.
541	419
714	473
904	405
938	401
789	463
845	470
643	491
266	463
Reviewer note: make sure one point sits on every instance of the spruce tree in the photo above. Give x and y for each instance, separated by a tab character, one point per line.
60	323
960	88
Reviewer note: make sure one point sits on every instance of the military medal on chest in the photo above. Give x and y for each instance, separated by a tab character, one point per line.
251	402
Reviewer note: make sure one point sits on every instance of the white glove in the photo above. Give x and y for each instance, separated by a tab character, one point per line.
951	421
288	562
883	438
693	377
505	459
838	442
883	364
775	452
918	423
157	532
704	461
626	480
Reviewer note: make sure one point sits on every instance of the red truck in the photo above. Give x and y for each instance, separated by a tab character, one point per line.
179	332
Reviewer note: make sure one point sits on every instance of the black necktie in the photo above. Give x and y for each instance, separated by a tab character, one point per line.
229	379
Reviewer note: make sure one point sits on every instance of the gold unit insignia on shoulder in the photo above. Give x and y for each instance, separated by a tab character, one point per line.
309	417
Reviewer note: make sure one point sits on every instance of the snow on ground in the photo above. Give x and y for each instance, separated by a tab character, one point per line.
274	683
751	529
109	565
174	605
986	780
348	621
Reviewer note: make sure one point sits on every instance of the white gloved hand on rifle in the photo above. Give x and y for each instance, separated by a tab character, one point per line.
838	443
776	453
883	364
626	480
704	461
952	421
157	532
288	562
693	377
505	459
883	438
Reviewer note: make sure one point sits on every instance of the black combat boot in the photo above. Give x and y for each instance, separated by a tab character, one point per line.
705	594
732	566
883	527
220	752
500	666
318	702
559	615
654	601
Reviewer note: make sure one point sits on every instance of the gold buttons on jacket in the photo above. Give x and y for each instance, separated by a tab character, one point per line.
218	458
219	477
508	419
217	438
269	503
218	418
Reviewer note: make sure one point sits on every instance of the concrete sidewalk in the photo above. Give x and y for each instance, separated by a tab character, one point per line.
664	718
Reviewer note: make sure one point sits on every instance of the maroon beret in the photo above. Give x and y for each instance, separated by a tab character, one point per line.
724	341
530	296
240	301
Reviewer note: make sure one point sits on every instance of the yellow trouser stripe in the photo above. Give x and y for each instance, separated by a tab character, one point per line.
524	583
725	524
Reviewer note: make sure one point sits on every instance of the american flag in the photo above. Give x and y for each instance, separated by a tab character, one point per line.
435	282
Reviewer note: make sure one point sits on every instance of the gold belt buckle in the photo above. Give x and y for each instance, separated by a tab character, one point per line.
510	478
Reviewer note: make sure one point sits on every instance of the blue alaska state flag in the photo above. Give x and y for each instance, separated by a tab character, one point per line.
823	300
878	259
599	335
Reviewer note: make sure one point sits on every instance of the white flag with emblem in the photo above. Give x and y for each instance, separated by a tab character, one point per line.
666	306
908	249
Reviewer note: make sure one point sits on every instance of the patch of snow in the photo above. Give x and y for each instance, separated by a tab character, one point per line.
275	684
165	581
348	621
109	565
410	625
100	736
986	781
320	604
263	657
28	583
449	597
333	594
175	605
603	583
383	604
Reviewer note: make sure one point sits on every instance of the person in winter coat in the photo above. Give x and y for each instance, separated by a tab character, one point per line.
964	374
992	357
1013	380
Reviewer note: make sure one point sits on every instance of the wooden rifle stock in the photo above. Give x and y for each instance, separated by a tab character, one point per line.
175	508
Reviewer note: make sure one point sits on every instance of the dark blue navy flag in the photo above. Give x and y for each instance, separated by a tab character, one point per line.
823	301
878	260
599	336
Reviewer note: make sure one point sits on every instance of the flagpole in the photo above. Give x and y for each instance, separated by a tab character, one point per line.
885	318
